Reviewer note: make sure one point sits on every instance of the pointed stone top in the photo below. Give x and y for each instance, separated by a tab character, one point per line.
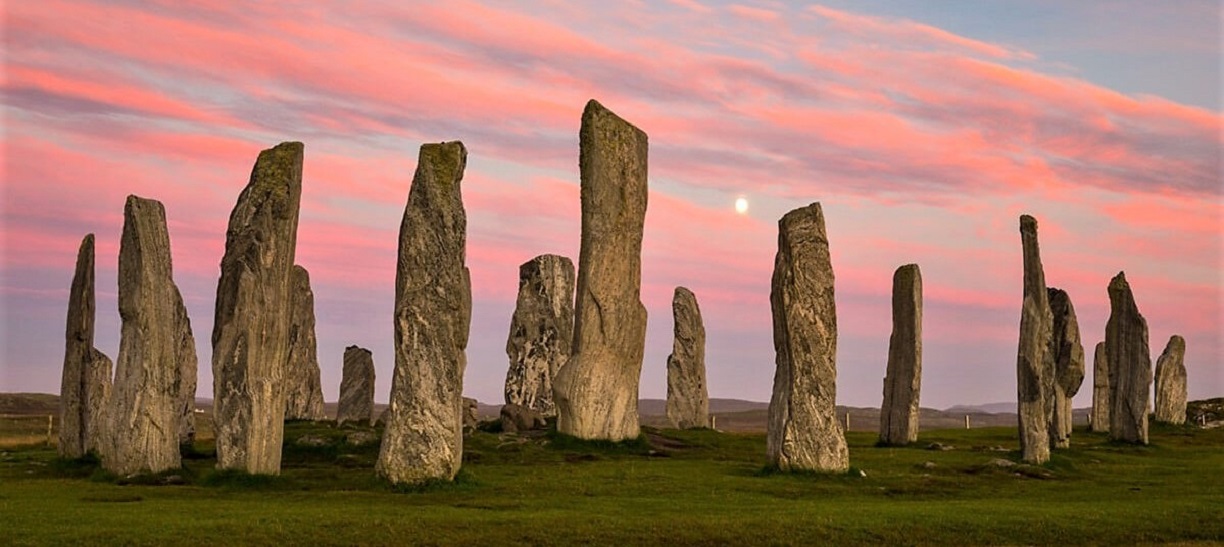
1028	223
88	240
1176	343
298	270
278	164
596	115
810	213
683	292
135	204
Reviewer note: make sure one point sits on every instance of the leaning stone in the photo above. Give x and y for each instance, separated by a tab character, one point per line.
903	381
596	392
1098	421
303	385
688	402
1171	382
251	330
85	384
1034	364
1068	355
515	418
423	439
189	365
541	331
356	387
804	433
1130	365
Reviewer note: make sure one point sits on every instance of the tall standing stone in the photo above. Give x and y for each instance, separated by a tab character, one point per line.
1068	355
356	387
903	381
144	415
86	381
189	364
1130	365
423	439
303	385
251	330
1099	420
1171	382
1034	364
596	392
804	433
541	332
688	399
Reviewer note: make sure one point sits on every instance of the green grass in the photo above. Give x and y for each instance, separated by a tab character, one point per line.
672	487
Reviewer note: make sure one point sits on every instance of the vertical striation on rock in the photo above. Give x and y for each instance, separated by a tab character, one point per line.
1130	365
1068	355
423	439
303	385
596	392
903	381
1034	364
804	433
541	332
1171	382
85	384
250	335
189	364
688	401
356	387
145	411
1098	421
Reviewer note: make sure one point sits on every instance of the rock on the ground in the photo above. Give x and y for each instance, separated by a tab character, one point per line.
541	331
356	387
1034	363
516	418
423	439
903	380
804	432
250	336
1171	382
1130	365
1098	420
303	385
596	392
688	401
86	381
1068	354
471	413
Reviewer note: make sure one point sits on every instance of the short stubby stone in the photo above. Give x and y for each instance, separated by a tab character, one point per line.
804	433
356	387
250	335
596	392
303	382
1034	363
516	418
423	439
86	381
1068	354
903	380
1098	420
541	331
688	399
1171	382
471	413
1130	365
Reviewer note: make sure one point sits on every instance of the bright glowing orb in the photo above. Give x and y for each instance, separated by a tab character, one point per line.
741	205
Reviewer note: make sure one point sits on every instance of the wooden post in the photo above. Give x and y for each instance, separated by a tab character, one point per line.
50	422
966	421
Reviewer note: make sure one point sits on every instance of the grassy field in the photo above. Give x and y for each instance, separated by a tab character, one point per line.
672	487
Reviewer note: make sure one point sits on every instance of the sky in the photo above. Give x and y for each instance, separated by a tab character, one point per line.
925	129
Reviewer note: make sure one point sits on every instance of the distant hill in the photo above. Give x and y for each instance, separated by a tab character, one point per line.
28	404
988	408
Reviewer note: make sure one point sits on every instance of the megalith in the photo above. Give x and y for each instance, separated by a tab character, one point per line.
250	335
356	387
1034	364
804	433
1068	354
189	364
596	392
1098	421
303	385
903	380
1171	382
1130	365
423	439
86	381
541	332
688	399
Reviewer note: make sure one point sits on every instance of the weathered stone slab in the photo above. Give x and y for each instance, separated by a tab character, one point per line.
1034	364
596	392
1171	382
303	385
516	418
1130	365
356	387
86	380
189	365
1068	355
903	381
541	331
1099	419
688	399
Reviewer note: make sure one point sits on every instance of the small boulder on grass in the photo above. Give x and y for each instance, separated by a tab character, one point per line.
516	418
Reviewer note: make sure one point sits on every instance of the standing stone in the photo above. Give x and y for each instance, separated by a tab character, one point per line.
145	411
189	365
433	314
85	384
804	433
471	413
1130	365
688	402
1034	363
541	332
596	392
1068	355
903	381
304	388
1099	420
251	330
1171	382
356	386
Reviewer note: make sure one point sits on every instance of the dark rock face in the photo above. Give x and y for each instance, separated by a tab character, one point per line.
145	412
1130	365
1034	364
423	439
688	401
251	329
596	392
86	381
356	386
1068	355
903	381
541	331
1171	382
1099	419
304	388
804	433
516	418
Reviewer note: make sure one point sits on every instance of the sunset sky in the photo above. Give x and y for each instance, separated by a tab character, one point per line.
925	129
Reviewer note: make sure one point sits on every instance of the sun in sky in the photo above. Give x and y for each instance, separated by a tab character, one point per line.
741	205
